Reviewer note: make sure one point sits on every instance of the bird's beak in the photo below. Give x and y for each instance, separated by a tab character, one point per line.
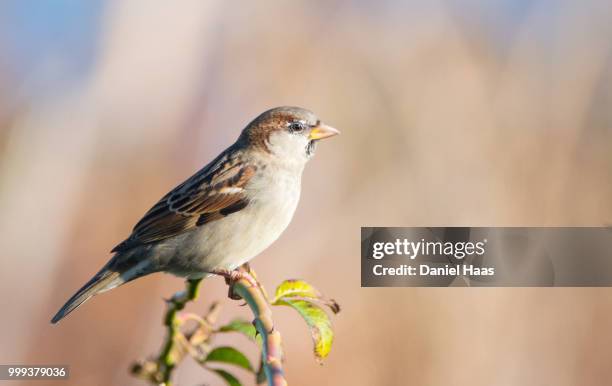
322	131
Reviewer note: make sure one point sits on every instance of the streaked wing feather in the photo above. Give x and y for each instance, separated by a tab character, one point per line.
211	194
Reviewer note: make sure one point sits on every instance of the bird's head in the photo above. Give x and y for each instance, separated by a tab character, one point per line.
289	133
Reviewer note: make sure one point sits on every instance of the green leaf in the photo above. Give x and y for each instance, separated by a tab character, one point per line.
229	378
318	322
229	355
241	326
295	288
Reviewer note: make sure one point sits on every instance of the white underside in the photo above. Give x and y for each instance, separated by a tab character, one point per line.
234	240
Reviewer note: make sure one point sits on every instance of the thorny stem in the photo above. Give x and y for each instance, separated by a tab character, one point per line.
169	356
271	339
176	344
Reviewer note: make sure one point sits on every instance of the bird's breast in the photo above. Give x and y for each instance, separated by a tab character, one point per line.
230	242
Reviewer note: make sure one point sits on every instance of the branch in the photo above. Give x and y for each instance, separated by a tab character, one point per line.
171	353
271	339
196	342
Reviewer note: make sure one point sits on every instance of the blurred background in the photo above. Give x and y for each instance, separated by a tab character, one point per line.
471	113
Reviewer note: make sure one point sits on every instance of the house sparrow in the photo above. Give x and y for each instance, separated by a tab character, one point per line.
225	214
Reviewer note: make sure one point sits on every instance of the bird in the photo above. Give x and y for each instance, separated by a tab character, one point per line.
225	214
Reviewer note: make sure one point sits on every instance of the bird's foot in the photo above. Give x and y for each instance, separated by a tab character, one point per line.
232	276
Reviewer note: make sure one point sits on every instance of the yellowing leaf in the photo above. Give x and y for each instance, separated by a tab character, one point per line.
318	322
301	289
295	288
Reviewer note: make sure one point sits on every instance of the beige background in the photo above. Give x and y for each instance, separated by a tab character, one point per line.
453	113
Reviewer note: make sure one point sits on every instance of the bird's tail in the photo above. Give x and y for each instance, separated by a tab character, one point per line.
104	280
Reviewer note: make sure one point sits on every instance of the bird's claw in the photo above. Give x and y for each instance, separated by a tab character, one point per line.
231	277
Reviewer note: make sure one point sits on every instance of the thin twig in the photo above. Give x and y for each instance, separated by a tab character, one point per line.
178	344
170	354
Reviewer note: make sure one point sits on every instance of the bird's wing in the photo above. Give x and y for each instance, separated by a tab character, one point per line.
211	194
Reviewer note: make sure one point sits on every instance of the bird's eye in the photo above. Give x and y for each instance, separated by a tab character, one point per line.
296	127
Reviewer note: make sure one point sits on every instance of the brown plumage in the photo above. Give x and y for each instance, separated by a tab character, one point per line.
214	192
223	215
